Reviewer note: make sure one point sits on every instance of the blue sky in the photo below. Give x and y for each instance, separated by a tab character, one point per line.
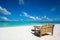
30	10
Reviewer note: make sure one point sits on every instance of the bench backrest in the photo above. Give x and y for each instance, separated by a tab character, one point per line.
47	28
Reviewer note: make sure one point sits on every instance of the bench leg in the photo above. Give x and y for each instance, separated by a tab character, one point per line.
35	29
40	33
52	33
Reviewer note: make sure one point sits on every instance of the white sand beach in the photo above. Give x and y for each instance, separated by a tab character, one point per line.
24	33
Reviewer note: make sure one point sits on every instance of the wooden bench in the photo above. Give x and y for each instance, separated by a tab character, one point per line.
45	29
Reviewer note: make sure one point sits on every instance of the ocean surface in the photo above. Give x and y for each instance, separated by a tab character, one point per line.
10	24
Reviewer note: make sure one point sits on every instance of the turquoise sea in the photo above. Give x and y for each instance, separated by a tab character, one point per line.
6	24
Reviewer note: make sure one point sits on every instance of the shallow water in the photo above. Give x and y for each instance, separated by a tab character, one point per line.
6	24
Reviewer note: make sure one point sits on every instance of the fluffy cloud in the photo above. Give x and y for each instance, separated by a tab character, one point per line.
31	17
21	1
4	18
25	14
38	18
4	11
43	18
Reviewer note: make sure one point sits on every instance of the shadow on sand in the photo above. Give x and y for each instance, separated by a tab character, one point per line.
37	34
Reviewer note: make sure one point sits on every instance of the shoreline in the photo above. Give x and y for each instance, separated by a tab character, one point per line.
25	25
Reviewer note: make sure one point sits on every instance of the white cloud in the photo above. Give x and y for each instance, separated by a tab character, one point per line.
25	14
4	11
35	18
43	18
38	18
29	16
4	18
21	1
32	17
